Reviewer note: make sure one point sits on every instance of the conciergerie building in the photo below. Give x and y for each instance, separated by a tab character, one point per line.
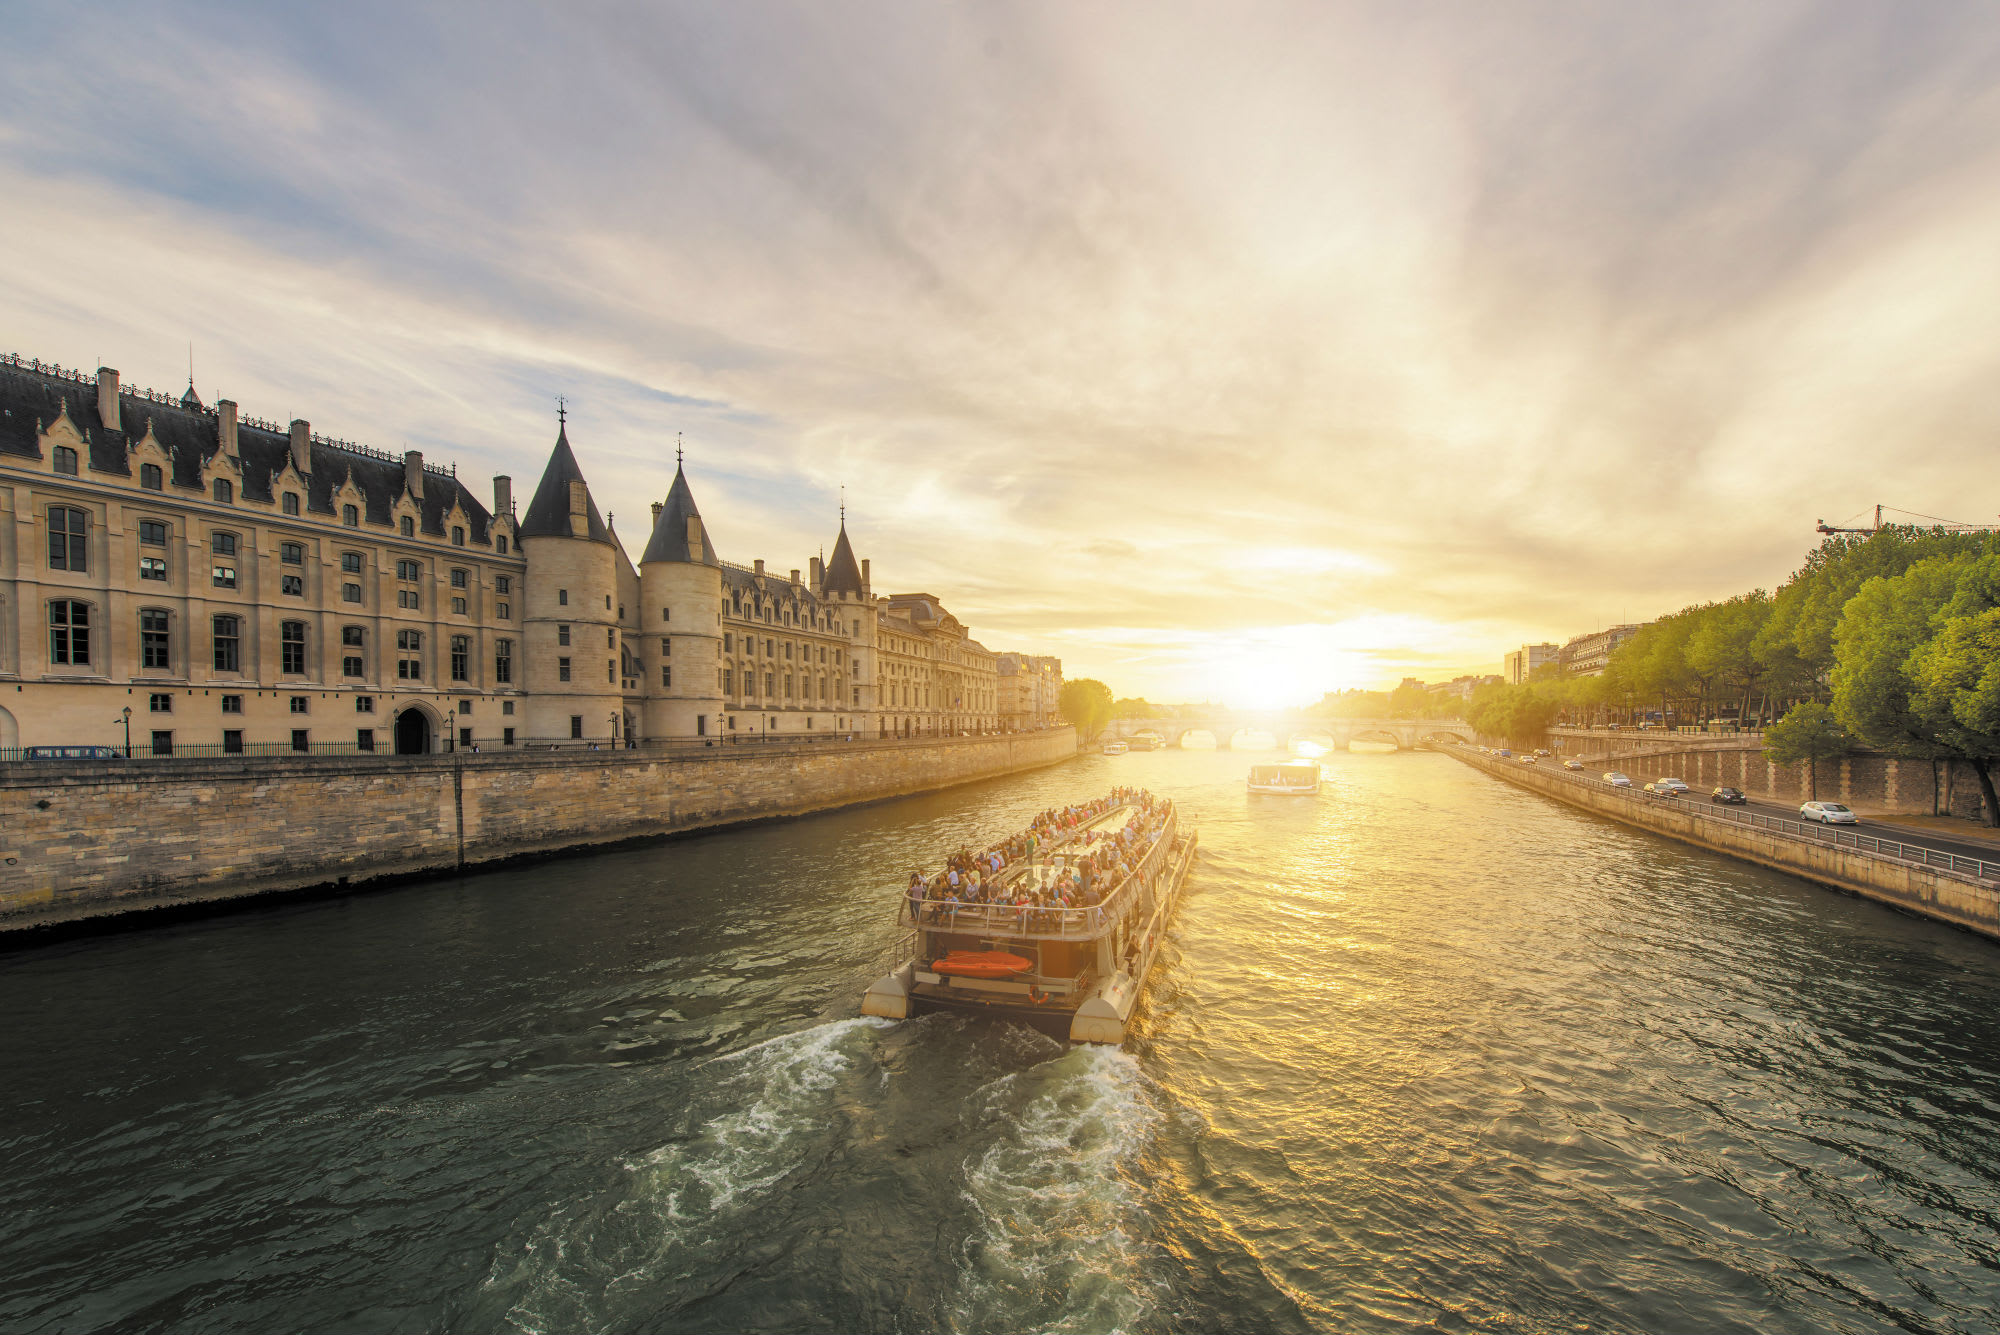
210	583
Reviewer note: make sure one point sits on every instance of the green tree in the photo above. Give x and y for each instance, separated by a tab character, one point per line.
1807	734
1086	703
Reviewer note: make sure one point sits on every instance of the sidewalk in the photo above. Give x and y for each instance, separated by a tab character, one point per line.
1953	827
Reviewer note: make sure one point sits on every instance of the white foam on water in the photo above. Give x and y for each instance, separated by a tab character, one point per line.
684	1197
1063	1233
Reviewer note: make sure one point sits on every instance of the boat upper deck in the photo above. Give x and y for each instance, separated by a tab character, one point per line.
1111	857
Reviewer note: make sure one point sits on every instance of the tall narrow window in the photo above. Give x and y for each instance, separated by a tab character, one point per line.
291	503
562	669
69	538
666	676
223	492
69	633
153	645
460	651
503	661
65	459
457	536
503	551
350	516
407	527
292	646
351	640
562	634
149	477
228	644
409	643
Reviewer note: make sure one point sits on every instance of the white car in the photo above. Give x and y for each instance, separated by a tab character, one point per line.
1617	780
1827	813
1670	785
1572	764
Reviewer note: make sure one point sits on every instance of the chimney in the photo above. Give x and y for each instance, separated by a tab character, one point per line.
760	566
795	578
657	507
413	473
503	495
818	573
579	509
302	435
225	425
107	397
864	575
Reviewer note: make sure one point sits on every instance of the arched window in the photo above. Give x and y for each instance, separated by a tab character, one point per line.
69	633
407	527
154	650
224	492
350	516
228	644
149	477
292	647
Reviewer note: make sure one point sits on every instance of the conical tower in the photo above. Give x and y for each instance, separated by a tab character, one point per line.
845	586
680	619
569	623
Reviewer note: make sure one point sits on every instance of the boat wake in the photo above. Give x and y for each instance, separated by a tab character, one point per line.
678	1220
1061	1237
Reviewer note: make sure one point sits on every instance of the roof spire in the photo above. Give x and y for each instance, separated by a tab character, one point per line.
843	505
677	450
562	414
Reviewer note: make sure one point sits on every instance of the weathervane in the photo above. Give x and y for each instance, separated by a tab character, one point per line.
562	411
843	505
678	453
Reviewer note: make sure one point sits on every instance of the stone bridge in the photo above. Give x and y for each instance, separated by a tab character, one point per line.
1406	734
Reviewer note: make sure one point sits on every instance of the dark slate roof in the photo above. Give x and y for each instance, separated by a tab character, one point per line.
548	513
670	541
843	574
30	400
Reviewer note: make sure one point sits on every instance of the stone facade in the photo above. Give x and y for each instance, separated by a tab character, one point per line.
82	840
226	586
1030	691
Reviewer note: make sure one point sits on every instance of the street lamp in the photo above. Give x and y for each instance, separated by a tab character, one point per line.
614	730
126	715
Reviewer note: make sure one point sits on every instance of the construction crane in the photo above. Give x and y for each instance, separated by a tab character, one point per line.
1930	521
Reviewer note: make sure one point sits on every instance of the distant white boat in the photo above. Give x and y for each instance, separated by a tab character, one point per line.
1115	748
1294	776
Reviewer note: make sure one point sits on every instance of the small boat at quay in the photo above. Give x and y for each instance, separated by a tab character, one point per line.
1293	776
1056	927
1115	748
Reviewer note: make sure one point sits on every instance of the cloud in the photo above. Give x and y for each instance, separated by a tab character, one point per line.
1149	342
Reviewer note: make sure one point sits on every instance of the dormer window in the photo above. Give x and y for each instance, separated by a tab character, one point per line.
457	536
150	478
291	502
65	460
502	540
407	527
350	516
224	492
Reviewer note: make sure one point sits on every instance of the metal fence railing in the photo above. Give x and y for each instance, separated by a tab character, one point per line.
1895	850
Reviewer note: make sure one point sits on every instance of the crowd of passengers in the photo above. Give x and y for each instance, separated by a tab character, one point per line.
1096	863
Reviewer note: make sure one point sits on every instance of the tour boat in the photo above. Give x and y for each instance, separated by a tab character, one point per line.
1115	748
1066	971
1294	776
1146	741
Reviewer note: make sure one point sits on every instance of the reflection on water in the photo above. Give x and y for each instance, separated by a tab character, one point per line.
1424	1052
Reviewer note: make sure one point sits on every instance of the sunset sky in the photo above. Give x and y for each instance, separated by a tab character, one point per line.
1239	351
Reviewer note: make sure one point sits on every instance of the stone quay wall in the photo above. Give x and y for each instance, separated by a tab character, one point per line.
1933	892
88	839
1865	781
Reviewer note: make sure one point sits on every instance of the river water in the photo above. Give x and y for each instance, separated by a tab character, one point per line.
1424	1053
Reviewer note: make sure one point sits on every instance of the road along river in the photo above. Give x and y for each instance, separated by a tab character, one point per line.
1425	1052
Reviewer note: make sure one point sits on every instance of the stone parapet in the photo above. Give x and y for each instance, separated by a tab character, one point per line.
1934	892
89	840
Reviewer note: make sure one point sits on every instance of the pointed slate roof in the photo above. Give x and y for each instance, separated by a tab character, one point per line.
670	530
548	513
843	573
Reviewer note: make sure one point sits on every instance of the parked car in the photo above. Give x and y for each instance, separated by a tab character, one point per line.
1617	780
1729	797
1827	813
1572	763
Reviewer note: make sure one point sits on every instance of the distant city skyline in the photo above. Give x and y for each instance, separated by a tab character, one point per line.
1241	355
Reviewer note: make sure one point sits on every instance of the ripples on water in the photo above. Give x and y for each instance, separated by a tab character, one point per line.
1424	1053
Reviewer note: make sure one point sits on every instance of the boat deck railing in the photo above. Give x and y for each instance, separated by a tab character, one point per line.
1027	923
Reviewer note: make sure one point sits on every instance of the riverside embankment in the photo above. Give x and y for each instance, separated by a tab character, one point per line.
90	839
1961	891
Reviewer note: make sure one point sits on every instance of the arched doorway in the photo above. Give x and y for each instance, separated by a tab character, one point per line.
10	732
413	733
